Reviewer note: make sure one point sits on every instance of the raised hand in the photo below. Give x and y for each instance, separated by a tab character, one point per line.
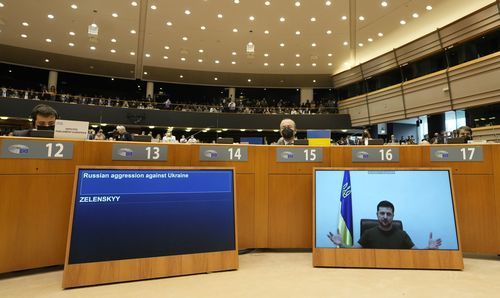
335	238
434	244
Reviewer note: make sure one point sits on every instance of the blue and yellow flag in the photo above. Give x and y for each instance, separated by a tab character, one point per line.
345	214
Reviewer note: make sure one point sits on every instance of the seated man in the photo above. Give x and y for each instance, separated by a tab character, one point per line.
287	131
465	132
384	235
43	117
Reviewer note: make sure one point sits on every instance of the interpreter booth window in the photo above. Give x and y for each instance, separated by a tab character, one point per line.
351	90
385	79
475	48
422	67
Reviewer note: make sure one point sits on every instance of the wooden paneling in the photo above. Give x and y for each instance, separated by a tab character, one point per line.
290	211
410	156
347	77
471	168
496	184
262	196
245	196
386	104
357	108
240	167
419	48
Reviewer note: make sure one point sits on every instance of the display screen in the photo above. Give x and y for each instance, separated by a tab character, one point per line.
421	217
126	214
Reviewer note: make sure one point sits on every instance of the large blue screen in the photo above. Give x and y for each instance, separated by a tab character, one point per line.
422	201
126	214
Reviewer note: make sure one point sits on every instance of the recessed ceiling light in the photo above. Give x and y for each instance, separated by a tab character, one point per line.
233	62
72	33
330	54
360	44
169	23
297	64
133	31
330	64
266	55
147	55
297	55
203	28
216	61
282	44
266	64
344	18
383	3
200	50
71	44
132	53
313	19
24	36
313	44
92	48
266	32
184	38
153	7
251	18
25	24
235	30
346	43
200	60
282	64
415	15
47	60
328	3
114	15
234	53
249	80
1	4
112	51
267	3
428	7
402	22
361	18
48	40
50	16
181	76
370	39
297	32
187	11
166	47
219	16
183	59
297	3
216	78
328	32
380	34
314	64
282	19
165	57
74	6
146	74
113	40
133	3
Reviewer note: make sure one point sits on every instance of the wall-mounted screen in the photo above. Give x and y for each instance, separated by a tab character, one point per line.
384	209
142	213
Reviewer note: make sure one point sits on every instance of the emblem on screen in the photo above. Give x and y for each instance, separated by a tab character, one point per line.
19	149
362	155
125	152
287	155
441	154
210	153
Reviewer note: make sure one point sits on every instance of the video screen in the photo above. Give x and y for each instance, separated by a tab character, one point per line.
384	209
126	214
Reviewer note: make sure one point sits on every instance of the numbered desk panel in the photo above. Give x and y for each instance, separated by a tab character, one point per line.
375	154
36	149
457	153
313	154
139	152
223	153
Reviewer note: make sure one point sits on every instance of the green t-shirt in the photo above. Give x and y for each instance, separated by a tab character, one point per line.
393	239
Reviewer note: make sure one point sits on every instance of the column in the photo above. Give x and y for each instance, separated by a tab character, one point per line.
232	93
150	87
306	94
52	80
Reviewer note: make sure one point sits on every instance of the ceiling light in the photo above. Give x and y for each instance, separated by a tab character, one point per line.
153	7
415	15
181	76
146	74
360	44
251	18
50	16
72	33
428	7
200	50
25	24
169	24
166	47
328	3
233	53
235	30
297	55
282	19
200	60
114	15
361	18
313	19
165	57
259	130
236	1
346	43
313	44
266	64
383	3
267	3
249	80
219	16
184	38
1	4
71	44
216	61
113	40
328	32
147	55
183	59
330	64
314	64
47	60
297	32
297	64
92	48
187	11
282	44
132	53
203	27
133	31
48	40
380	34
112	51
344	18
133	3
216	78
282	64
370	39
233	62
24	36
74	6
330	54
266	32
266	55
402	22
297	3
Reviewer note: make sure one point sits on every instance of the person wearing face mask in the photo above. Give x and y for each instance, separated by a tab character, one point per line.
43	117
465	132
287	131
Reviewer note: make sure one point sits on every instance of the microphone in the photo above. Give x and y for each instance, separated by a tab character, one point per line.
192	136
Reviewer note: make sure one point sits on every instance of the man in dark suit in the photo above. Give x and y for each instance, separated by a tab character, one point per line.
43	117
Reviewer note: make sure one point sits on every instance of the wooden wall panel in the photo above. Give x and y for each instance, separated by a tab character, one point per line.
357	108
245	204
386	104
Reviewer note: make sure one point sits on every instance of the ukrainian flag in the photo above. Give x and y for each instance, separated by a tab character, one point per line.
345	214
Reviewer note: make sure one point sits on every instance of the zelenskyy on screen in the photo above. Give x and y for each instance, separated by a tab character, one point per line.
421	202
125	214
